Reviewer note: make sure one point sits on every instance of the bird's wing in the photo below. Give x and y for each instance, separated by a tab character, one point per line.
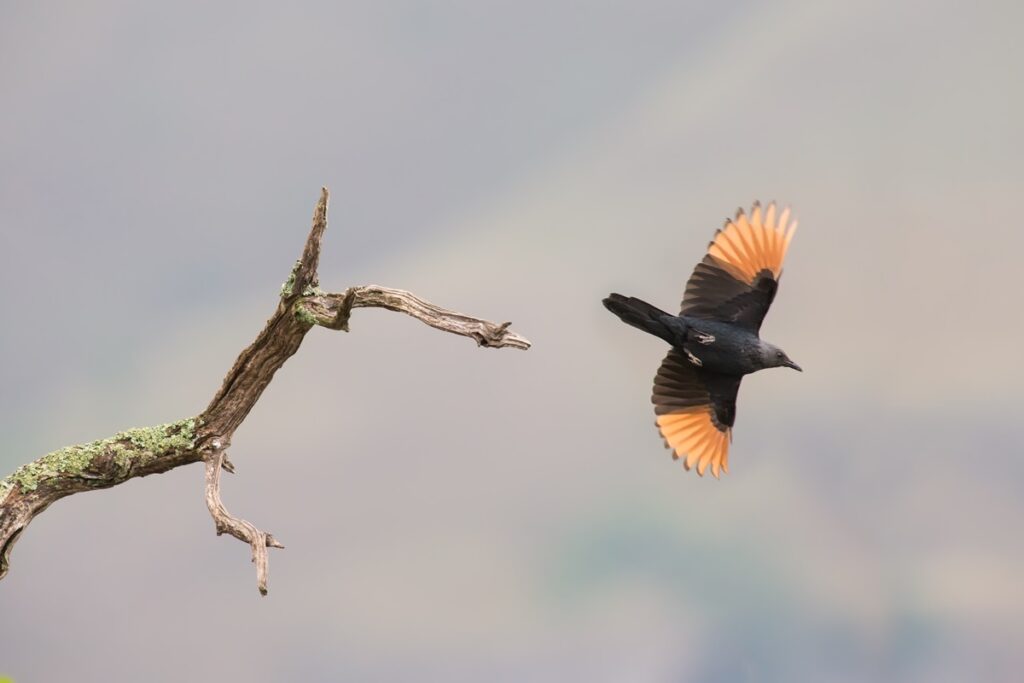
737	280
696	410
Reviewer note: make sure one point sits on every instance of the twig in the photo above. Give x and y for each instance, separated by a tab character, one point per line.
225	522
332	311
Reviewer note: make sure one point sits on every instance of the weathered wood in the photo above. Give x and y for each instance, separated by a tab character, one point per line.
139	452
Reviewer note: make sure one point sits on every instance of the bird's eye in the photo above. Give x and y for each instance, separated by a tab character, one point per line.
778	354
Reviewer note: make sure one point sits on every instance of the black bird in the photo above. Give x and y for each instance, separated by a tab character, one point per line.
715	336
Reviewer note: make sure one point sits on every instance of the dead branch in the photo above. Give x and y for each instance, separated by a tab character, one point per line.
140	452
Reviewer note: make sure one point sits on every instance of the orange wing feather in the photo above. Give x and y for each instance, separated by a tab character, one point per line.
746	245
692	435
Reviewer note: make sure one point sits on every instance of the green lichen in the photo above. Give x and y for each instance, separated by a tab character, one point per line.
304	316
175	436
289	284
288	288
106	459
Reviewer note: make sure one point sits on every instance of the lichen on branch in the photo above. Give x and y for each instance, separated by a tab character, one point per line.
107	461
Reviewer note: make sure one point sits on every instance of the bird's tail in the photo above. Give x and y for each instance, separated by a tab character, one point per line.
639	314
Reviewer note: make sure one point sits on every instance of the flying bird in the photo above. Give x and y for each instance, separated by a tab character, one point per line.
716	336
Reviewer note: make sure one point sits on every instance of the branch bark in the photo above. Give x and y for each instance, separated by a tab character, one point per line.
140	452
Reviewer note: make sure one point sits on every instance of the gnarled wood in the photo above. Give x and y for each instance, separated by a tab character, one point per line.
139	452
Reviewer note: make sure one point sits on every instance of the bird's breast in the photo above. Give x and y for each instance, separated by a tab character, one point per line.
719	347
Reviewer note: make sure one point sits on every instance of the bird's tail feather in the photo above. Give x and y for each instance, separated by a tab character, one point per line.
638	313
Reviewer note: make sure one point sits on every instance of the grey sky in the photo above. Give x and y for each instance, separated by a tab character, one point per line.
459	514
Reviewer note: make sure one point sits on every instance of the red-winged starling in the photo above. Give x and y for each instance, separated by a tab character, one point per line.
715	338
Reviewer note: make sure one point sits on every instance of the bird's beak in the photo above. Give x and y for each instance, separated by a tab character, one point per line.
791	364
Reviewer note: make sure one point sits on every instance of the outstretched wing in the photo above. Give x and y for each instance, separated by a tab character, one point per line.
737	280
696	410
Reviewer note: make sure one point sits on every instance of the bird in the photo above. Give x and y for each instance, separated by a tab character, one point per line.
715	339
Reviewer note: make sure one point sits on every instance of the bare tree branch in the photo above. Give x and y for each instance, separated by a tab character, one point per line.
332	311
224	522
140	452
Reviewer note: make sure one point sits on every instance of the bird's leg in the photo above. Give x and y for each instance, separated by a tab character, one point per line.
704	337
693	359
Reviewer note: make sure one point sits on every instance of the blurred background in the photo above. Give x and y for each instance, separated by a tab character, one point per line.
462	514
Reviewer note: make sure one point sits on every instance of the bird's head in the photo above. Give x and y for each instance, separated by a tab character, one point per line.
774	357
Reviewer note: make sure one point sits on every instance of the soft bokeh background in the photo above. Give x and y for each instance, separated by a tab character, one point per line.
457	514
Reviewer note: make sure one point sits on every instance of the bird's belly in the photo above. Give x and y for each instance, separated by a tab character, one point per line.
717	350
715	358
